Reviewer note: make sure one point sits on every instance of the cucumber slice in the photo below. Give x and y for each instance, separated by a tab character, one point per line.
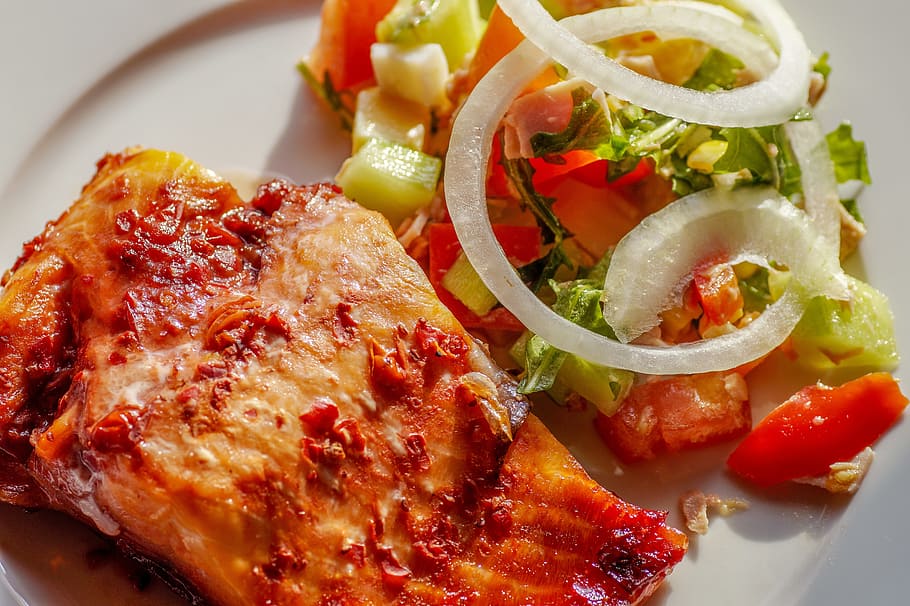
462	281
848	334
390	178
383	116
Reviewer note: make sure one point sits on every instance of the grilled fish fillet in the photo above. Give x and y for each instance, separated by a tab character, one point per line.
267	400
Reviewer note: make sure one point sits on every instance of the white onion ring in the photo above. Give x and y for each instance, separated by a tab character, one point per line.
653	263
772	100
821	199
466	163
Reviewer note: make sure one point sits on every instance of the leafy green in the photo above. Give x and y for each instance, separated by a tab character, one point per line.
586	129
821	66
756	291
746	148
853	209
542	364
520	173
848	155
579	302
718	71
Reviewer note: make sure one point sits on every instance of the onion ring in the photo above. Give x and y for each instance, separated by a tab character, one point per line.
821	200
466	163
652	264
772	100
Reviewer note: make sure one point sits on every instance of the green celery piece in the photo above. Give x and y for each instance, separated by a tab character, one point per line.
465	284
453	24
603	386
848	155
848	334
390	178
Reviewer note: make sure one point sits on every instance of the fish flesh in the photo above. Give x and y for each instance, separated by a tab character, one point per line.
266	400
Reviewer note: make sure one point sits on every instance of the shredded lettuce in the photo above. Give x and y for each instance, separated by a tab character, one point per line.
848	155
579	302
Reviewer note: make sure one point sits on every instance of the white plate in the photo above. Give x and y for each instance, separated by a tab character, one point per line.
216	80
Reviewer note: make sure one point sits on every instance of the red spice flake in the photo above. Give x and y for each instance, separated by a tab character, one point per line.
116	358
344	326
347	431
416	447
394	574
240	323
251	225
270	196
356	553
312	449
188	394
115	432
282	561
499	520
388	369
126	221
217	235
321	416
432	342
212	370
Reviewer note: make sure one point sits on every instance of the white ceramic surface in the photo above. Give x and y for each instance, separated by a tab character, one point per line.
216	80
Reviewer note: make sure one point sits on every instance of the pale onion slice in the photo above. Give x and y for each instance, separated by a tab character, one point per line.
772	100
651	266
820	196
466	163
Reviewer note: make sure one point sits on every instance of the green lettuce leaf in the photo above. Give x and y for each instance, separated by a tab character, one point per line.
848	155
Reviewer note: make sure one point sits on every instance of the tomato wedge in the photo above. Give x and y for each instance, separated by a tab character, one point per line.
816	427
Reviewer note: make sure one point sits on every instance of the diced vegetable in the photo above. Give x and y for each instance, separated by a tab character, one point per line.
340	61
383	116
500	37
817	427
521	245
669	415
854	333
453	24
391	178
417	73
462	281
718	293
602	386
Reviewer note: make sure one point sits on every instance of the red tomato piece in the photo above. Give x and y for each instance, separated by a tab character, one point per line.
348	29
521	244
581	164
816	427
718	293
668	415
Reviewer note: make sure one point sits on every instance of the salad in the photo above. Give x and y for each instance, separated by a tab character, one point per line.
635	205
